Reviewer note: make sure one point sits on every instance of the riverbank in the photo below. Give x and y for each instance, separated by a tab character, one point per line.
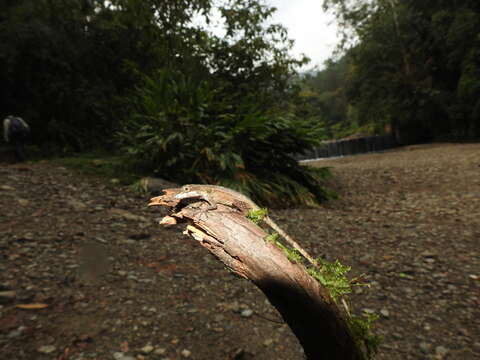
113	284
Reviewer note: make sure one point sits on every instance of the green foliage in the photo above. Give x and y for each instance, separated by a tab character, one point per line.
98	164
256	216
187	129
361	328
138	187
50	64
325	99
332	276
273	237
414	65
292	255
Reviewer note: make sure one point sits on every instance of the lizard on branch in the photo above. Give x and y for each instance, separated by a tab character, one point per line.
214	194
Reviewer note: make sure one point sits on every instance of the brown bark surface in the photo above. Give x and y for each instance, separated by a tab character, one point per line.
304	305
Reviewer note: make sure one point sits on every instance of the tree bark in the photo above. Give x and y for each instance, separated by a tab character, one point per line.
302	302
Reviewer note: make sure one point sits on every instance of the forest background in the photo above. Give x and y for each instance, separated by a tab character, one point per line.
140	79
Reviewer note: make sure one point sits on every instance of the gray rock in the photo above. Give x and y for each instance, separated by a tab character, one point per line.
268	342
154	185
186	353
147	349
101	240
128	215
16	333
218	318
425	347
160	351
76	205
129	242
246	313
23	202
7	296
122	356
440	352
385	312
46	349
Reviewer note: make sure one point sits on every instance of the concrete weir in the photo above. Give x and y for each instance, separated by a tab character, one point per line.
344	147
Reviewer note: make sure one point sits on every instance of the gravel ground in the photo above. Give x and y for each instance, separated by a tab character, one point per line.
86	272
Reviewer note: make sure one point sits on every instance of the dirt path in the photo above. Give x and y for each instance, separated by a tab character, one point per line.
118	286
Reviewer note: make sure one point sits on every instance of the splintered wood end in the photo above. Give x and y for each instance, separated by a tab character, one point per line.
167	199
168	221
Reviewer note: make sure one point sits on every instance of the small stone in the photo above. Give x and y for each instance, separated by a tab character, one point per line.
246	313
101	240
268	342
160	351
23	202
16	333
129	242
385	313
115	181
218	318
366	259
147	349
7	296
425	347
77	205
46	349
122	273
440	352
7	188
186	353
28	236
122	356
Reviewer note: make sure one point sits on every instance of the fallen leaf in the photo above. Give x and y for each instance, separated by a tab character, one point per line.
124	346
31	306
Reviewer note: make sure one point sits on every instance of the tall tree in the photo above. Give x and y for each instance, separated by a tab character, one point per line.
414	64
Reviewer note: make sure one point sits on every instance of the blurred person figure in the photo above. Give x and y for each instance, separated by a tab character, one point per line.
16	132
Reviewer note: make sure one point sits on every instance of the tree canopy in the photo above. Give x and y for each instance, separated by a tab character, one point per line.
414	65
147	78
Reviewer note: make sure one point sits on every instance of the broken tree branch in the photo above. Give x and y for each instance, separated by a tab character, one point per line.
303	303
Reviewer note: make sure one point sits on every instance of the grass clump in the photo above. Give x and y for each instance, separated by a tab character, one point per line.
95	164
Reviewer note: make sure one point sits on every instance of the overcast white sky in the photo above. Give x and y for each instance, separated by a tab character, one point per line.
308	25
314	32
